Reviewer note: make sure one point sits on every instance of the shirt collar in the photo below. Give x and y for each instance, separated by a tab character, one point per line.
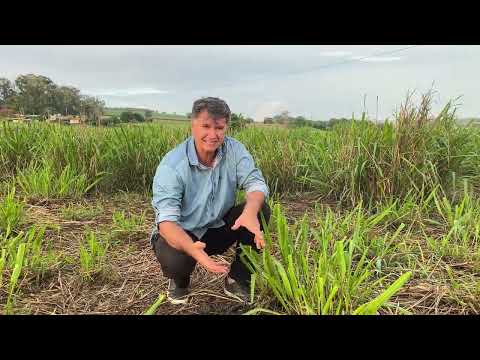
192	153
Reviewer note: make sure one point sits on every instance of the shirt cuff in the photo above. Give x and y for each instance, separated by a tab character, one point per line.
167	215
258	187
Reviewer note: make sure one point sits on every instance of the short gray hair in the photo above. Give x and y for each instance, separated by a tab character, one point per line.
217	108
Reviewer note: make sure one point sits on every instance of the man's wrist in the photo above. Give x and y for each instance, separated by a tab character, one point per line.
250	210
254	203
191	250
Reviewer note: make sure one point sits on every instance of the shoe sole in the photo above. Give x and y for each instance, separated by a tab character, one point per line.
180	301
177	301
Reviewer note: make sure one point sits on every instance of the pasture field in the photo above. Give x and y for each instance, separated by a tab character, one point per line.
367	219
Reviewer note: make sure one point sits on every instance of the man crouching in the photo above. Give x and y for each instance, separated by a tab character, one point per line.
194	191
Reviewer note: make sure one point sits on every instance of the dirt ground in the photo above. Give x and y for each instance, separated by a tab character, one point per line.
132	280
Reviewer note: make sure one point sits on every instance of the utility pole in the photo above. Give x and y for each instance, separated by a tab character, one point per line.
376	116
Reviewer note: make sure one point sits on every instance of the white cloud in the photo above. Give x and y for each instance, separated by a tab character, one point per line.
127	92
267	109
377	58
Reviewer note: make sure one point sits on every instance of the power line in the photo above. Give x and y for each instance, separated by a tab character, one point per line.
341	62
320	67
364	57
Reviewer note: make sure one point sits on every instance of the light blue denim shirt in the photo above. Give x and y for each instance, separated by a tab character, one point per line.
197	197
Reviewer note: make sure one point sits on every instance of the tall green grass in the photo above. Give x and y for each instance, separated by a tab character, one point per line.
12	212
356	161
34	240
20	254
458	223
43	181
132	153
92	256
280	154
17	270
17	145
416	152
326	269
124	158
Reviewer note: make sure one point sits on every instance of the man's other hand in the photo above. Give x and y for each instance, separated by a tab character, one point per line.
251	223
206	261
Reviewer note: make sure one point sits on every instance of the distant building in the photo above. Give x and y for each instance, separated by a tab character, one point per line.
32	117
6	112
75	120
54	118
65	119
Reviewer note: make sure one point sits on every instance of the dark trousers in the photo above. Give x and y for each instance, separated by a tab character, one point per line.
178	265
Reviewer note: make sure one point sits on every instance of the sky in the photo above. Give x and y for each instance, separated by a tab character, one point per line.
315	81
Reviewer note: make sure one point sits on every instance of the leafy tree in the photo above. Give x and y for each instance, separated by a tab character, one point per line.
67	100
35	94
126	116
7	91
92	108
148	114
138	117
237	121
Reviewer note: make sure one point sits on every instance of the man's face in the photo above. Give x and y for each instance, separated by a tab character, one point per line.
208	133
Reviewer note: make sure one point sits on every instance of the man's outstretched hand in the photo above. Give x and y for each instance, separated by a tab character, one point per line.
251	223
206	261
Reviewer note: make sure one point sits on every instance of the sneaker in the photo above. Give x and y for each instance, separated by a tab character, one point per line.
177	295
236	290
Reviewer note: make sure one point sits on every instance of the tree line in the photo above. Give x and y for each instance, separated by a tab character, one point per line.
32	94
284	118
38	95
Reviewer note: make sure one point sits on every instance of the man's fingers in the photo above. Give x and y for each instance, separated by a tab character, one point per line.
223	270
259	241
260	244
222	266
217	268
236	225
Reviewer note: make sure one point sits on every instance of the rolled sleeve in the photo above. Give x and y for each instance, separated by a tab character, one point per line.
258	187
249	177
167	194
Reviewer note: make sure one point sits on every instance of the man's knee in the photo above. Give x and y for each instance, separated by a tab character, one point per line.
174	263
